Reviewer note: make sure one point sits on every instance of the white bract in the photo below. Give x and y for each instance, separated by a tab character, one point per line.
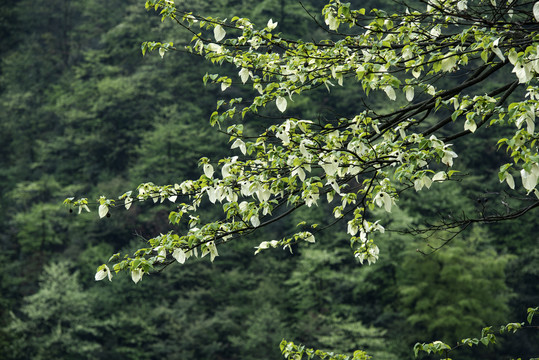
179	255
244	75
281	103
390	92
529	178
409	93
383	199
102	273
448	157
219	33
271	25
103	210
239	144
439	176
208	170
136	275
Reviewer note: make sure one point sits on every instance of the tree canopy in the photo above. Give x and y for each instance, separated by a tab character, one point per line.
430	61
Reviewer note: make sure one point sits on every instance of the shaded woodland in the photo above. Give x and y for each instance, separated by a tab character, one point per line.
82	112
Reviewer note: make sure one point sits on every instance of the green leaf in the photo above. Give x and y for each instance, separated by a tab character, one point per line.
531	313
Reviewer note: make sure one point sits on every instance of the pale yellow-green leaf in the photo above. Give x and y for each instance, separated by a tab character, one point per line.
449	63
530	125
496	49
332	22
427	181
329	196
513	56
510	180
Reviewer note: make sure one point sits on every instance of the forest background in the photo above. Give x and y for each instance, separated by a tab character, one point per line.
83	112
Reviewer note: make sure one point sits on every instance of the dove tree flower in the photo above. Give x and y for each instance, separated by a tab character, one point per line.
352	164
102	272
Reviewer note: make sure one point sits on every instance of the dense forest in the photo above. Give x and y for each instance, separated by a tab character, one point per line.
84	113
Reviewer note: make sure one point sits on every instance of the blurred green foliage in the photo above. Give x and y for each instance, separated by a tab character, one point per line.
81	111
